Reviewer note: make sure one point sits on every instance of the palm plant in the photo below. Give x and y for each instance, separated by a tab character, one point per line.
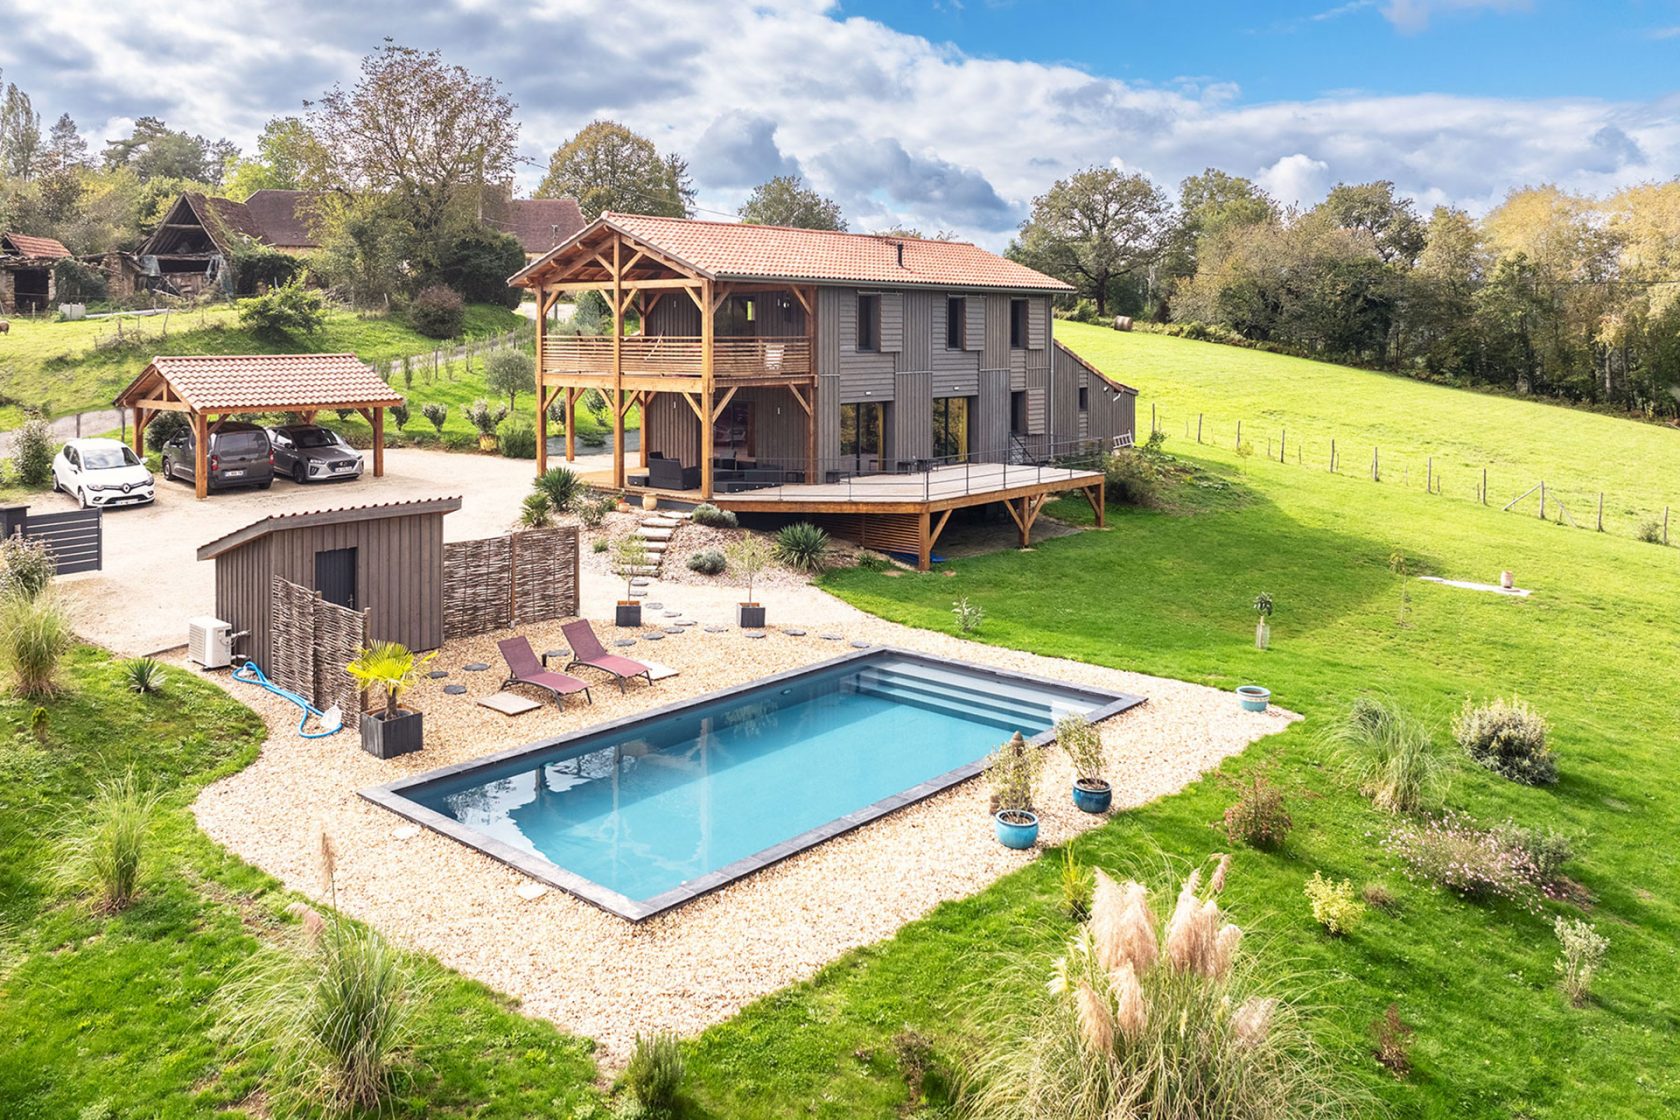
144	675
390	666
802	546
560	486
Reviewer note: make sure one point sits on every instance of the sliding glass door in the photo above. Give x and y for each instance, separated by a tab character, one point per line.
950	429
863	427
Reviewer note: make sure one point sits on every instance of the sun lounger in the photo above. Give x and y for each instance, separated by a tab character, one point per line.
524	668
588	650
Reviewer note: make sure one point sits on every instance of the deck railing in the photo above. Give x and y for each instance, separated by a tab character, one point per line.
679	355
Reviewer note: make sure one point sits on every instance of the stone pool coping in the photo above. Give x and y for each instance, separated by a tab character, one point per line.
392	795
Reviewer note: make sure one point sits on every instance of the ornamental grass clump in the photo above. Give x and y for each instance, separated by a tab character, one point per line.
144	675
654	1074
35	634
1391	755
106	857
802	546
1476	863
1154	1019
1509	738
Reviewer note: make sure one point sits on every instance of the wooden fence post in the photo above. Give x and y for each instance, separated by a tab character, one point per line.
1283	440
1198	428
1601	511
1429	479
1332	456
1484	486
1152	428
1376	467
1542	499
1665	524
1239	435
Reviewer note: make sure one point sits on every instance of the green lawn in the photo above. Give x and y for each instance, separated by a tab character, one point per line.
1168	593
63	368
110	1017
1307	404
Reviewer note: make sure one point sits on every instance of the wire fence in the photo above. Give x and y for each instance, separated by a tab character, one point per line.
1507	493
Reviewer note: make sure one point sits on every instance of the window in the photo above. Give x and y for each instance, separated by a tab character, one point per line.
1017	324
1084	399
732	434
1018	412
862	431
956	323
869	323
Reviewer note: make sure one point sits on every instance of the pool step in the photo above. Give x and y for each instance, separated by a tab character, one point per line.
1009	713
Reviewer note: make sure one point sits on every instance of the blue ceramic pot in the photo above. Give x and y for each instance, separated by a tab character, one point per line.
1253	697
1016	835
1092	800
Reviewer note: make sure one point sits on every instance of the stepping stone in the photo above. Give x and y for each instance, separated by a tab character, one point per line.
673	629
638	592
793	633
655	636
455	689
673	614
653	534
684	623
717	629
531	890
625	643
406	832
654	548
654	606
438	674
752	633
553	653
660	522
831	637
509	703
640	581
860	644
475	667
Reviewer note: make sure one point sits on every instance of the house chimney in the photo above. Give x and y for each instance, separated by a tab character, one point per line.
901	254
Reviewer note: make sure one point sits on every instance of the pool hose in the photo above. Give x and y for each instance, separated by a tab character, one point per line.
249	673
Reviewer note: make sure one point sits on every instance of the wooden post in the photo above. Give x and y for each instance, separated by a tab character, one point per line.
542	389
1239	435
1429	478
379	443
201	457
1151	417
924	539
139	431
1601	511
1198	428
1542	499
1665	524
618	361
1376	466
571	424
1283	444
708	338
1484	486
647	406
1332	456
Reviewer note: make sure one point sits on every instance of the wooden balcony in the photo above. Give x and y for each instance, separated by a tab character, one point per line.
734	360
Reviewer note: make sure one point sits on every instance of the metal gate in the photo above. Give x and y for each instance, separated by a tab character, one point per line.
75	537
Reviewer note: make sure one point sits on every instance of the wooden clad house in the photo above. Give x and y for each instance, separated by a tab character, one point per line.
776	364
26	272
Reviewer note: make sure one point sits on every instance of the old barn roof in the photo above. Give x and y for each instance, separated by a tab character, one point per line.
303	519
263	382
542	223
38	248
736	251
283	216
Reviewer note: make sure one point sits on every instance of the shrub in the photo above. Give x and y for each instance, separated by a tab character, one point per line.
75	282
1258	817
33	448
873	562
1393	1042
510	372
655	1072
1152	1018
477	261
707	514
400	414
164	427
802	546
484	417
534	512
969	615
630	556
600	544
1083	743
748	557
1012	771
592	509
1507	737
1132	478
1582	953
1334	905
518	440
34	634
1378	897
26	567
708	563
283	311
436	412
144	675
107	857
437	312
562	487
1546	850
1076	883
1650	532
1391	754
1475	863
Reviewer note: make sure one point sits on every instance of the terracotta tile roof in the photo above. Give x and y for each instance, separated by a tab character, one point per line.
736	251
542	223
339	515
38	247
277	382
283	216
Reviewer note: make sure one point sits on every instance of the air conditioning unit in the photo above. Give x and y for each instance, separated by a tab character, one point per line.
210	642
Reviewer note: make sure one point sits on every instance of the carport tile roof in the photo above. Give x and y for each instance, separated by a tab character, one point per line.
214	382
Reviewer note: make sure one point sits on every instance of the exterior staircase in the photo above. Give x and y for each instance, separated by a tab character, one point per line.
656	530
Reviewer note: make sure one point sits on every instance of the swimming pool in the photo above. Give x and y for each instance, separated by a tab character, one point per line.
643	814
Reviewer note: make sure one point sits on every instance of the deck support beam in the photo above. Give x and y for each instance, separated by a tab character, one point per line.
201	467
618	360
708	339
543	398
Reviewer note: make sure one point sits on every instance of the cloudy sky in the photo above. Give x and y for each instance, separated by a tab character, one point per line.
944	114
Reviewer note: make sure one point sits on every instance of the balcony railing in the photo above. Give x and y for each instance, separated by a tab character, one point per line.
679	355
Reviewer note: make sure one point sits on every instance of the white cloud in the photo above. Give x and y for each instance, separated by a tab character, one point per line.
899	129
1296	180
1414	15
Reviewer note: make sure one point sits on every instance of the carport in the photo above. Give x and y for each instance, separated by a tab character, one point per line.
211	388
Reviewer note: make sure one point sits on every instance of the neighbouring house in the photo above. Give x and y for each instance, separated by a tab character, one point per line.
836	373
539	223
191	251
286	218
27	283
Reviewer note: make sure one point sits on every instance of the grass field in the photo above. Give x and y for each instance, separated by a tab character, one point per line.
1168	593
1519	442
61	368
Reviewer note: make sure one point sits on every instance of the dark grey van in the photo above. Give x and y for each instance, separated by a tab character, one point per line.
238	455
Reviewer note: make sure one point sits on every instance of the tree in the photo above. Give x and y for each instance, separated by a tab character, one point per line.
511	371
287	158
284	311
155	151
477	262
430	136
608	167
20	135
1372	211
65	147
1209	204
1093	229
787	201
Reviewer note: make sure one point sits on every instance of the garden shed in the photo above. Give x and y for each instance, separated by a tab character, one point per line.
211	388
385	560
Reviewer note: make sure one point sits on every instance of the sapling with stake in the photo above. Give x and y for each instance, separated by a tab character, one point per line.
1263	628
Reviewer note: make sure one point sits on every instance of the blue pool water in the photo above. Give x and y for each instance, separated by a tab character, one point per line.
650	808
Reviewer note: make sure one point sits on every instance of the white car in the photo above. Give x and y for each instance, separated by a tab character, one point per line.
102	472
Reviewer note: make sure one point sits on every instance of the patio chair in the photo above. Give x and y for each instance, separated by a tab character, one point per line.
524	668
588	650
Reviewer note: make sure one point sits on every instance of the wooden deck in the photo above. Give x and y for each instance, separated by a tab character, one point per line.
905	512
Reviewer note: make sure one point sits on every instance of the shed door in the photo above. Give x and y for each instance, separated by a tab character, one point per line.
335	576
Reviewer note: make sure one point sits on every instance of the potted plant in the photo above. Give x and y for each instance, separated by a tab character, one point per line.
1013	773
1263	628
1091	791
630	556
1253	697
394	730
485	418
747	557
650	502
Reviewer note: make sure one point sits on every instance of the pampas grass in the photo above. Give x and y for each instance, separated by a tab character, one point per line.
1391	754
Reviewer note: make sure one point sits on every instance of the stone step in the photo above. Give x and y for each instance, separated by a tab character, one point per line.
659	523
645	570
654	534
654	548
